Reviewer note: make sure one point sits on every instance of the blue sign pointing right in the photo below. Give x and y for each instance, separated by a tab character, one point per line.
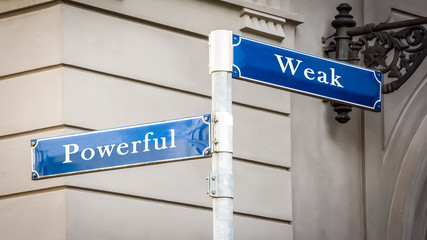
300	72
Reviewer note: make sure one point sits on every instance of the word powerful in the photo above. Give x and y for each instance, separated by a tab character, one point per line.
121	149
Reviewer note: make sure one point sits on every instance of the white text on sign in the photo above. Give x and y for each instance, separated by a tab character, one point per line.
309	73
133	147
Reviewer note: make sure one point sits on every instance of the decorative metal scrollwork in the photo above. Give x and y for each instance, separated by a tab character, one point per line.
407	47
396	54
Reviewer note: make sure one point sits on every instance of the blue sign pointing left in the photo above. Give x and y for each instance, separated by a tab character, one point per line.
119	147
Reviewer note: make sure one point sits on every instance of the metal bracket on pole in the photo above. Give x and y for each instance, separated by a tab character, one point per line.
219	185
222	132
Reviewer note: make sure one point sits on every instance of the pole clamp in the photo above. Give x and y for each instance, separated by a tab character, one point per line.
222	132
221	185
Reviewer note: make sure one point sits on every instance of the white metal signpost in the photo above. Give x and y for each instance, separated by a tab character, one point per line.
221	187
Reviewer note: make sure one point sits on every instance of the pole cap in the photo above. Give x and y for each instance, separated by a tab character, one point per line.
220	51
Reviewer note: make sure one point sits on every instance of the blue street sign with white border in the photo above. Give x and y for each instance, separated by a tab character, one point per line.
276	66
121	147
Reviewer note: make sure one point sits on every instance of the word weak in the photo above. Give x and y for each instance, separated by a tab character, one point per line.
309	73
121	149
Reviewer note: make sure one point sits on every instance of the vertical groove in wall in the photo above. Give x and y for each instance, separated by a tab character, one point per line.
363	175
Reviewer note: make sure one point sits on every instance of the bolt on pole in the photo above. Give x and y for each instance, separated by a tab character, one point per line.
221	186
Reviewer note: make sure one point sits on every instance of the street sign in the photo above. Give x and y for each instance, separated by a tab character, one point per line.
120	147
300	72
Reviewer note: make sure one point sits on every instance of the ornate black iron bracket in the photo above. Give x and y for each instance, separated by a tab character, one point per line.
397	54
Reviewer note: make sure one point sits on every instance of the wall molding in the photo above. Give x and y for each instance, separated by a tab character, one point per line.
265	8
265	20
261	23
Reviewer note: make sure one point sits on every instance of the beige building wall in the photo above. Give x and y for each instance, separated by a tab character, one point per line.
76	66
